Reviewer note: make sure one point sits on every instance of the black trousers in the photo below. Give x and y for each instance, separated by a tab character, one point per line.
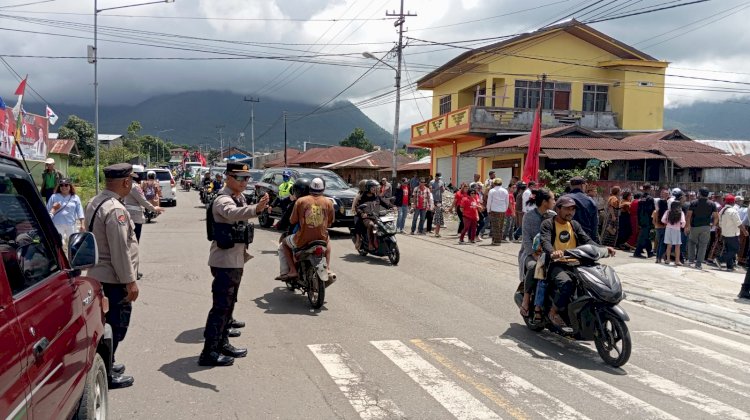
224	290
460	215
119	313
428	216
562	278
731	248
644	241
137	230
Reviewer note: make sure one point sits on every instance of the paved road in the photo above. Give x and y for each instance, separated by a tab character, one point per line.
436	337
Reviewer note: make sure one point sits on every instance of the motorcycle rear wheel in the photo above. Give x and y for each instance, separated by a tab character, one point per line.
615	333
316	291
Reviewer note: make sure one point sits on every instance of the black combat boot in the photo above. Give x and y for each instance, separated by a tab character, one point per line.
233	323
234	332
744	291
232	351
212	355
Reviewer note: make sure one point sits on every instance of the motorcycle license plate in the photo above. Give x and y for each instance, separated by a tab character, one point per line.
350	212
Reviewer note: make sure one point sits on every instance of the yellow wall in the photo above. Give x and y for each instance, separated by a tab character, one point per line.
637	107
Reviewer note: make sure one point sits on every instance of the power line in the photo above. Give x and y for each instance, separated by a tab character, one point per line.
195	17
646	11
466	22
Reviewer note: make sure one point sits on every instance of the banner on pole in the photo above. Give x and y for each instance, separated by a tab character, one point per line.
34	134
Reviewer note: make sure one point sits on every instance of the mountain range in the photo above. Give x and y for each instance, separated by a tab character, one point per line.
199	117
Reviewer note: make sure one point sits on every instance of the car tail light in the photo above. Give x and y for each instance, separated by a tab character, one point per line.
318	252
171	182
105	304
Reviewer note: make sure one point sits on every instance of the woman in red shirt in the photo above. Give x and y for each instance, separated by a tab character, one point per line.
470	208
457	199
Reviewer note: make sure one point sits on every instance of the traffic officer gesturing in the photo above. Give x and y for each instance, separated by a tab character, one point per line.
230	238
108	219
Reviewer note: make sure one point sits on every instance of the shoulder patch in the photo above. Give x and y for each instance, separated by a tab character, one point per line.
122	220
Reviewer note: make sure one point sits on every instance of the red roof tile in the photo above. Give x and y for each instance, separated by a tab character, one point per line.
326	155
599	154
567	137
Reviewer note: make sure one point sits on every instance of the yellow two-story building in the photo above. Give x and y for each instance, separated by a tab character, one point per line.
490	94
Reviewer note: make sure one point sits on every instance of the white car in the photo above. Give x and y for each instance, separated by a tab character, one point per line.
167	184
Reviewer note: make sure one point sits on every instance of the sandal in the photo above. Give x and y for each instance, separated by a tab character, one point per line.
524	312
557	321
538	314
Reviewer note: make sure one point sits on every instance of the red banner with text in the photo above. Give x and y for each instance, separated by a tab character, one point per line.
34	135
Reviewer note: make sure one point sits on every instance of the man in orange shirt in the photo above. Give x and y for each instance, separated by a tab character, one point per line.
314	214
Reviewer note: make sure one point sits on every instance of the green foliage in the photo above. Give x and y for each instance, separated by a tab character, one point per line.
358	139
111	155
420	153
82	132
558	180
134	128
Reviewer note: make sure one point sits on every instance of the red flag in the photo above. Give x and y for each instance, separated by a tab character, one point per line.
21	87
531	167
201	159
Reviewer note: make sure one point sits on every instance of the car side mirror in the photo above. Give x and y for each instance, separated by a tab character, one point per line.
82	250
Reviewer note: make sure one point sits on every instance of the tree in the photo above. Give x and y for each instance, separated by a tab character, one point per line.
420	153
80	130
557	180
358	139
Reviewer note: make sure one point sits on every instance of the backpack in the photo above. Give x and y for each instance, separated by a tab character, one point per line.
149	190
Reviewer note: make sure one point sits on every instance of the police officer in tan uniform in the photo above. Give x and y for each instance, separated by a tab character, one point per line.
227	258
109	221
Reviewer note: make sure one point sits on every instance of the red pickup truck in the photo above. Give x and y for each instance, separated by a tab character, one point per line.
55	345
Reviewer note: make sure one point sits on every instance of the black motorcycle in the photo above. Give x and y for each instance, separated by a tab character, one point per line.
150	215
385	234
313	273
593	313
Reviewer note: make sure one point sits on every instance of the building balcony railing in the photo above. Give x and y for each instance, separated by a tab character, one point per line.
490	120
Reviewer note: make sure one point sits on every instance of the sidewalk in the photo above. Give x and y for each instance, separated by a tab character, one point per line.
708	296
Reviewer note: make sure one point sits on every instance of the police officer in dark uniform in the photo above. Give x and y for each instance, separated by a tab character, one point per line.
108	219
228	255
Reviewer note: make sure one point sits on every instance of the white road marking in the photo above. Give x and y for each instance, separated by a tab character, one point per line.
734	345
365	397
688	396
600	390
721	358
451	396
549	406
729	384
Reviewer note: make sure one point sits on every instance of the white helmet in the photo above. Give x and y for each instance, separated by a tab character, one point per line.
317	186
151	175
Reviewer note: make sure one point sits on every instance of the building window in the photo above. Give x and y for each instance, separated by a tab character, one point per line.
595	98
445	104
556	95
480	93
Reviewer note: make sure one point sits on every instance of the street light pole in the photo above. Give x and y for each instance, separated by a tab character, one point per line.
252	126
97	10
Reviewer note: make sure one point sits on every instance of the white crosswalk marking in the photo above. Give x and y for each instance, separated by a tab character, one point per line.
721	358
696	399
602	391
366	398
549	407
451	396
734	345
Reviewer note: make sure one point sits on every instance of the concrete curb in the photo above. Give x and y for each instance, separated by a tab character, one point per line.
699	311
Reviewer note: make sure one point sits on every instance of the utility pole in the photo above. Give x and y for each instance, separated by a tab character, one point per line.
399	50
221	142
285	139
252	101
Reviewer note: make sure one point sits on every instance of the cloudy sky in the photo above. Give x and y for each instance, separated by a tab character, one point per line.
161	48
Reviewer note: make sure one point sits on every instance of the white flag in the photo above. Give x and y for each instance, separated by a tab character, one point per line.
51	115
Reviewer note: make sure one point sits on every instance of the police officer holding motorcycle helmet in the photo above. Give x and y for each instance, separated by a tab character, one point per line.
230	234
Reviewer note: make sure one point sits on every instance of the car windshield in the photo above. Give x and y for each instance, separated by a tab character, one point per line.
163	176
333	181
256	176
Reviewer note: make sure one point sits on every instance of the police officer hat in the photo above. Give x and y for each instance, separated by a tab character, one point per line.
119	170
237	168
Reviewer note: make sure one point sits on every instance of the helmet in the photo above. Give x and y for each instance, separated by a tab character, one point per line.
676	192
362	185
317	186
287	173
370	183
151	175
301	187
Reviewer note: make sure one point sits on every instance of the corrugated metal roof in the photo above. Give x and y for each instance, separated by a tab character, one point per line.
734	147
567	137
586	154
290	153
326	155
670	140
708	160
60	147
373	160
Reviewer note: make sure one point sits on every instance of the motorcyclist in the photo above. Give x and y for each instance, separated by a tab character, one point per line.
301	188
218	183
285	187
366	224
206	180
559	234
151	188
314	214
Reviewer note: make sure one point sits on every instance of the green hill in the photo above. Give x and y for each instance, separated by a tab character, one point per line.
193	118
711	120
